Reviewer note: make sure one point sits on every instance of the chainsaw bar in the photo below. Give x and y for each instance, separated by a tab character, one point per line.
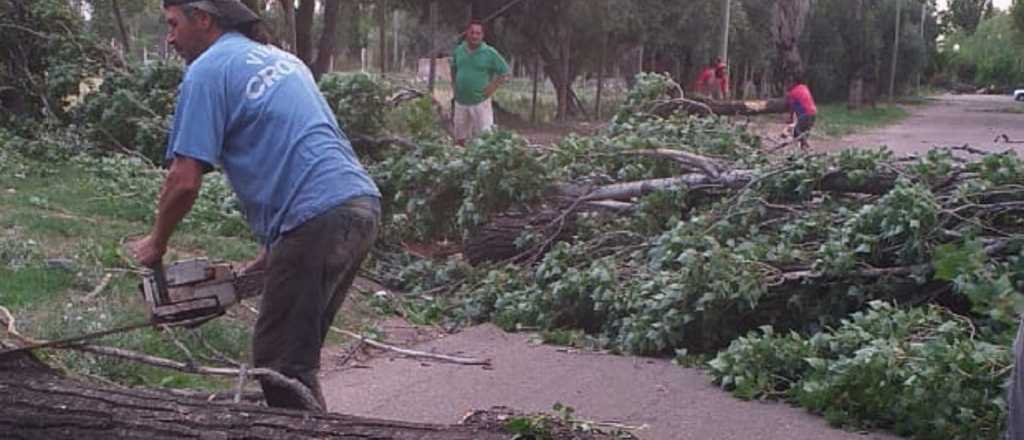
74	340
245	286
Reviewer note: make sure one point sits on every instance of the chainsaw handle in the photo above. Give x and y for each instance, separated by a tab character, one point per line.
160	279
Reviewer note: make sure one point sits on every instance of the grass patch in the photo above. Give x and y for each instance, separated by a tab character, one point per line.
33	285
81	210
835	120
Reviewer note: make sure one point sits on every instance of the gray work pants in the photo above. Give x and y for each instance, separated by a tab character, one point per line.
1015	418
309	272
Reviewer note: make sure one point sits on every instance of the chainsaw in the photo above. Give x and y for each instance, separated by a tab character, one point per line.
186	293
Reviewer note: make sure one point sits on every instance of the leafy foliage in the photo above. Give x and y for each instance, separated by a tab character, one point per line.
439	191
132	109
46	54
989	56
919	371
358	101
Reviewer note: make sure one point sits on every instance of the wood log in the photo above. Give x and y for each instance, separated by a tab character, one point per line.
833	181
37	403
725	108
496	241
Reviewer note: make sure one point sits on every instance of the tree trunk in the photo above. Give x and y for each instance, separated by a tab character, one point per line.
382	25
304	31
433	52
496	241
600	77
325	50
36	403
856	96
629	64
555	69
895	51
121	28
567	79
858	63
288	12
789	17
536	81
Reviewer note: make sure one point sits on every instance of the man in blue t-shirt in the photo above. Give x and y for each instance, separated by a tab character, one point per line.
256	112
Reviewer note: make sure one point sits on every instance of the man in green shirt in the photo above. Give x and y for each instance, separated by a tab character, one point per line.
478	70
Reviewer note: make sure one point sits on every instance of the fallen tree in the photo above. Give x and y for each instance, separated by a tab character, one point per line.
37	402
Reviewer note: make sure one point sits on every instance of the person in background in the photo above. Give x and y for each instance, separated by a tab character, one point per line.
722	78
703	85
802	110
477	72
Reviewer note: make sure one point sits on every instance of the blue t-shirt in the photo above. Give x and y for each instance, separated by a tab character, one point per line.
255	111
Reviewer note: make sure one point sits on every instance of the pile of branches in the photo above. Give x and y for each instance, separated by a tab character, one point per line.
680	234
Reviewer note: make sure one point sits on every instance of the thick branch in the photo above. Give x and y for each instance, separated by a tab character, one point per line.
34	404
692	161
725	108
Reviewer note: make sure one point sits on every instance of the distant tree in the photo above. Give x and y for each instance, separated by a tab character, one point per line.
992	55
788	19
1017	12
965	15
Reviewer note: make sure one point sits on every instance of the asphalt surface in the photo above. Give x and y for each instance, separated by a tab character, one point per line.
669	402
945	121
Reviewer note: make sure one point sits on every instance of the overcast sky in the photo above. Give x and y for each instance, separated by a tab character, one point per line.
1001	4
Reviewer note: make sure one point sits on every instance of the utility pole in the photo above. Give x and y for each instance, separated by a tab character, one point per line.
924	44
382	31
127	49
895	52
396	62
724	53
433	41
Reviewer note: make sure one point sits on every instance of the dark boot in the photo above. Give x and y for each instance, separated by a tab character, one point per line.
278	396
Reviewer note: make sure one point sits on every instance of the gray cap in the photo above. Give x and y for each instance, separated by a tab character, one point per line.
232	12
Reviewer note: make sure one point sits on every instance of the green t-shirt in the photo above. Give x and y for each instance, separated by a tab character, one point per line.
474	71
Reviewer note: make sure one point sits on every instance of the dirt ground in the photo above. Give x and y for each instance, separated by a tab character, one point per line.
946	121
665	401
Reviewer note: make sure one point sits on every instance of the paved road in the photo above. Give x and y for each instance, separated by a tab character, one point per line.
947	120
675	403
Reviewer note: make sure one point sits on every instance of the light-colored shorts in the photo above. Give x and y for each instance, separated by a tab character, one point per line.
473	120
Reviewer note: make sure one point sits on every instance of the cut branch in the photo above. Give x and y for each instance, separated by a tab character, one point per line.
689	160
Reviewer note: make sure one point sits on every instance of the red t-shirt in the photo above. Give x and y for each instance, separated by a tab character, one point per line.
705	78
800	101
722	77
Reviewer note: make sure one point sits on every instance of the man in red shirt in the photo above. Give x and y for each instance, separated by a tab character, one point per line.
704	80
722	77
801	109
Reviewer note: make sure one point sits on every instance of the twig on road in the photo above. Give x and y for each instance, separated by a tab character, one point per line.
405	351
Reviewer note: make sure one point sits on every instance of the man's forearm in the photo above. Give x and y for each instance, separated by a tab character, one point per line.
176	199
493	86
